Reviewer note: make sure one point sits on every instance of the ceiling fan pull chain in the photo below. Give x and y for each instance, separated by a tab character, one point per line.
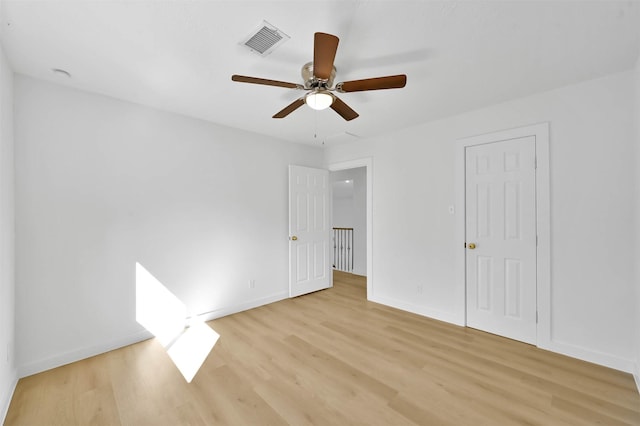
315	124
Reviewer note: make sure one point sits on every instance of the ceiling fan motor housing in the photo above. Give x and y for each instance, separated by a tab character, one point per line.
311	82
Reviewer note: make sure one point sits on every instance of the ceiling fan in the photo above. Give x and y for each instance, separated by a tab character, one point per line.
318	80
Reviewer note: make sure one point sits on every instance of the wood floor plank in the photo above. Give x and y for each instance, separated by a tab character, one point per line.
332	358
291	400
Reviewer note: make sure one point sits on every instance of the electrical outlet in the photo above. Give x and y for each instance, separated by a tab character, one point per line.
252	283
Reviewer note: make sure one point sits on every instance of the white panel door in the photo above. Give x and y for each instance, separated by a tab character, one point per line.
309	230
501	238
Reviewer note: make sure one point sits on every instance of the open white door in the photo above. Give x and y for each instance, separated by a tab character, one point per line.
501	238
309	230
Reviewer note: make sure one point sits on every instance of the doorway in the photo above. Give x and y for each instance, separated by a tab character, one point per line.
349	208
361	216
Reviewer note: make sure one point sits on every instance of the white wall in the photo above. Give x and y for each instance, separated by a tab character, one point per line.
351	212
103	184
342	205
8	375
592	204
343	212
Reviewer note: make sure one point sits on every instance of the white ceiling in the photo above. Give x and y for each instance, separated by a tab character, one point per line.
458	55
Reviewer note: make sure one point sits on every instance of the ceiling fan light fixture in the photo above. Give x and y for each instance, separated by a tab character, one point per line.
319	100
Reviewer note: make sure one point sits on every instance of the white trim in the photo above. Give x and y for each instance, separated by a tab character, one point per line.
353	164
5	401
543	221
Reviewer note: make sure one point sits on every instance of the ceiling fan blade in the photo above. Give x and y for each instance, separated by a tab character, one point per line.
255	80
324	53
343	109
290	108
389	82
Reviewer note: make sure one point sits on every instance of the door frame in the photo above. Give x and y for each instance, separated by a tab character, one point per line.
366	162
543	221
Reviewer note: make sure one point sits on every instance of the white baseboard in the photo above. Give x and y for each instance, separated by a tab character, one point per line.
590	355
81	353
5	398
223	312
361	272
449	317
584	354
87	352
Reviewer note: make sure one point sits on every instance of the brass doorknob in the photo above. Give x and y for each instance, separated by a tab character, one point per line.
294	238
472	246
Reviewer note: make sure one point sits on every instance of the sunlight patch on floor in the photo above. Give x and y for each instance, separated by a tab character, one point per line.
190	350
188	343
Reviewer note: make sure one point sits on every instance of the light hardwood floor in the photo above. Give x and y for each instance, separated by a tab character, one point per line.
332	358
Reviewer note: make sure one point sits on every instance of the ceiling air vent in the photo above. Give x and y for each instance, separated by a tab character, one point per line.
265	39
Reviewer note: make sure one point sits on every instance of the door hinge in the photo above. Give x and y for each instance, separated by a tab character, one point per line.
536	317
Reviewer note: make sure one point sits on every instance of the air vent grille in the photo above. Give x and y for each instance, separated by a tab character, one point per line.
265	39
